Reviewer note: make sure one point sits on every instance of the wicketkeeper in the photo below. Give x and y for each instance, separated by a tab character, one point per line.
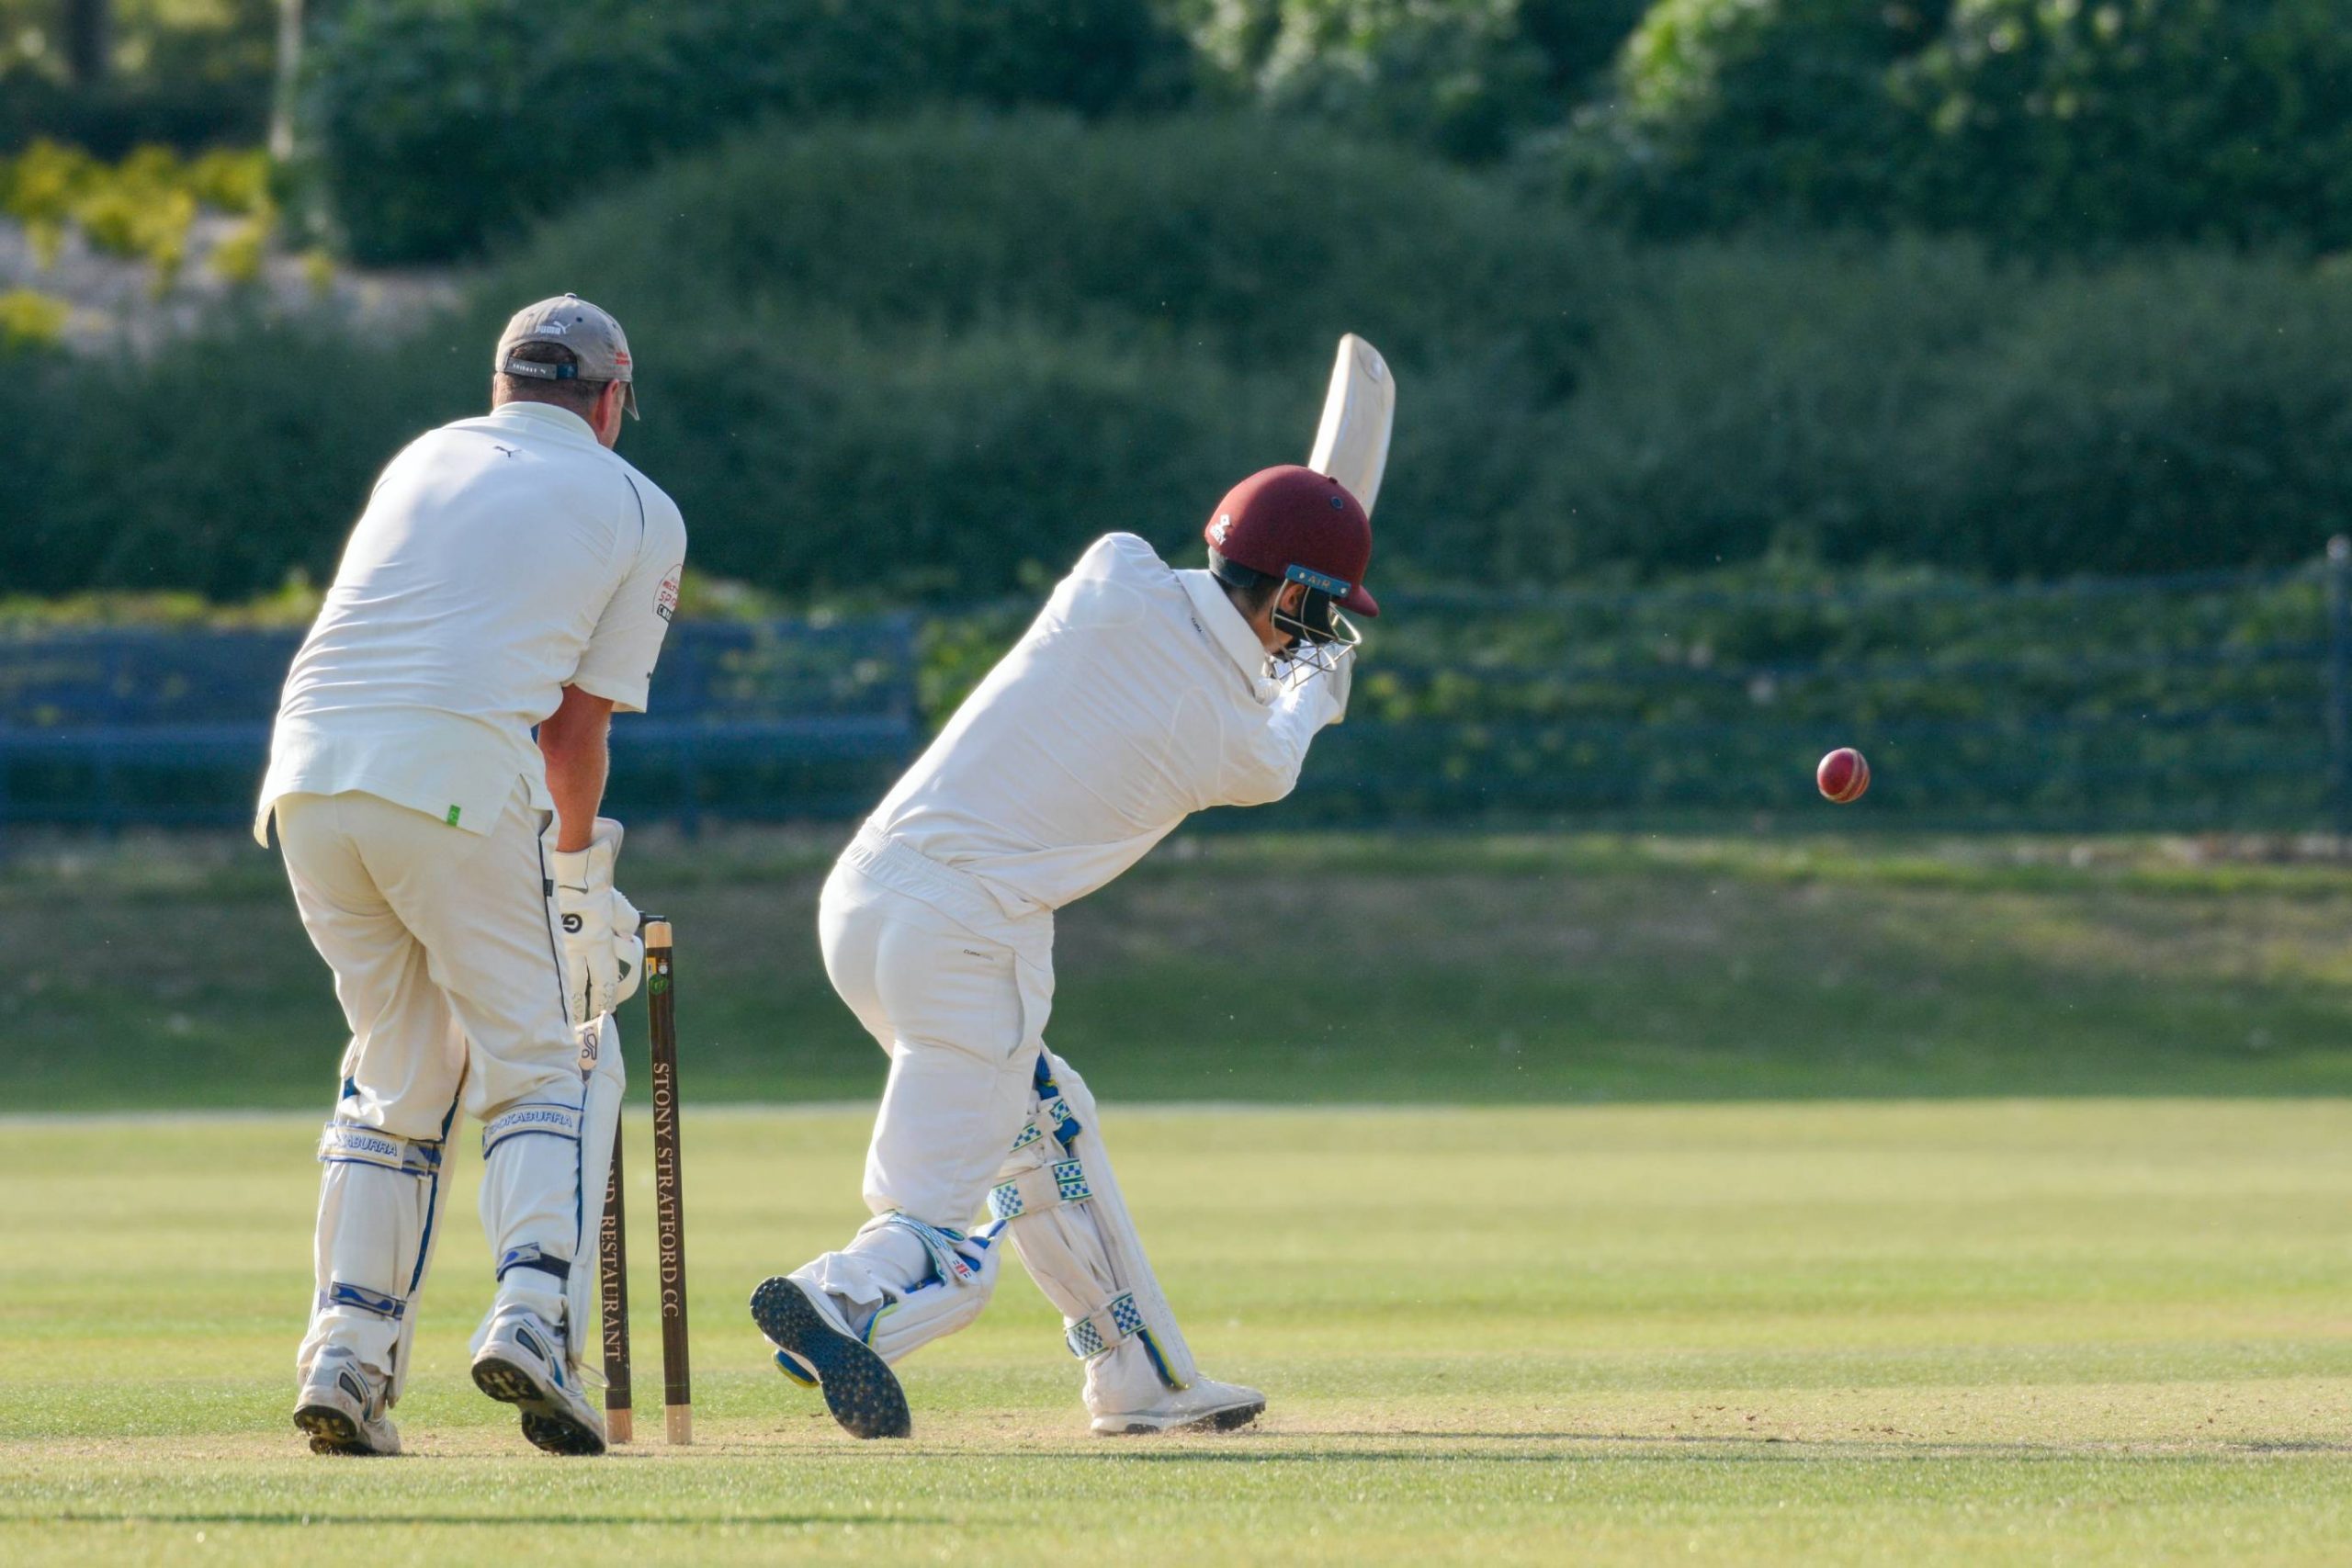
1141	694
509	572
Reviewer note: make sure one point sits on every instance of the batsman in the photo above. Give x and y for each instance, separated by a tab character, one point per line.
510	571
1139	695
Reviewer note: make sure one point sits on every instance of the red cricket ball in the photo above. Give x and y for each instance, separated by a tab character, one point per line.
1843	775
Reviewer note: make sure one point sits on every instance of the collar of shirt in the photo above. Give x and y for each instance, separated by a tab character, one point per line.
546	418
1229	629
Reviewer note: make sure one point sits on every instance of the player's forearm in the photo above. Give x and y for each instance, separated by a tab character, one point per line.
573	742
576	781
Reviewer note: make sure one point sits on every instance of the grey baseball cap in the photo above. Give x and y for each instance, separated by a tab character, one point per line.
594	338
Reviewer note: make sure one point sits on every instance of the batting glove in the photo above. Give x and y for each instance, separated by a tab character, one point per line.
603	958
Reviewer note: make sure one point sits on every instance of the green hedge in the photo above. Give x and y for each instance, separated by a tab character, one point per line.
1008	335
2196	410
1767	396
1254	243
932	359
444	126
2044	124
224	463
1857	401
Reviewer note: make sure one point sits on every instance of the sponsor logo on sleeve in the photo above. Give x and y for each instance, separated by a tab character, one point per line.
665	602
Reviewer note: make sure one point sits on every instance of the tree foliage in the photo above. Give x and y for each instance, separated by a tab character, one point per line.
1462	77
2042	123
169	71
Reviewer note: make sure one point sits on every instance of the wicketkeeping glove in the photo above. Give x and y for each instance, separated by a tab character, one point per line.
603	958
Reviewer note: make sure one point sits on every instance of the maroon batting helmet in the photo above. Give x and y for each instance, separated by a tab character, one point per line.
1296	524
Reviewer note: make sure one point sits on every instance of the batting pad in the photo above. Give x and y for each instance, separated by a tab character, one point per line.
379	1197
534	1209
1058	1199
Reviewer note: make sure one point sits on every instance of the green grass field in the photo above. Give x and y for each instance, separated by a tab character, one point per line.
1466	969
2027	1331
1593	1200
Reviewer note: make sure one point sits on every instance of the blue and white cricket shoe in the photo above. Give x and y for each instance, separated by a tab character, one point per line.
814	1344
1207	1407
521	1363
342	1408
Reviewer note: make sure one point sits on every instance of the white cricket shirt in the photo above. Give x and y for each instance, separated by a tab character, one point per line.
499	559
1137	697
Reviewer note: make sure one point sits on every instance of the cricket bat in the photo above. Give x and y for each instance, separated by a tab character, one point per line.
1351	443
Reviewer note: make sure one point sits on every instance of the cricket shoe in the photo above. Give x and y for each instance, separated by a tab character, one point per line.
1207	1407
342	1408
859	1387
521	1363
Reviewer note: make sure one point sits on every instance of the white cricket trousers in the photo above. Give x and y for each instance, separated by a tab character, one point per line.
957	993
447	963
957	989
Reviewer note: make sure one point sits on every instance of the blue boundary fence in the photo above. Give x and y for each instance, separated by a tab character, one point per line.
114	728
2211	700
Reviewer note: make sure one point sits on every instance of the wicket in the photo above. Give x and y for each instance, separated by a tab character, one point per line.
677	1391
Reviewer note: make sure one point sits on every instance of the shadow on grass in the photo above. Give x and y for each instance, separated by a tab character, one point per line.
373	1520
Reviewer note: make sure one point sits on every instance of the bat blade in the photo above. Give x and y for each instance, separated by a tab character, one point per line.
1351	443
